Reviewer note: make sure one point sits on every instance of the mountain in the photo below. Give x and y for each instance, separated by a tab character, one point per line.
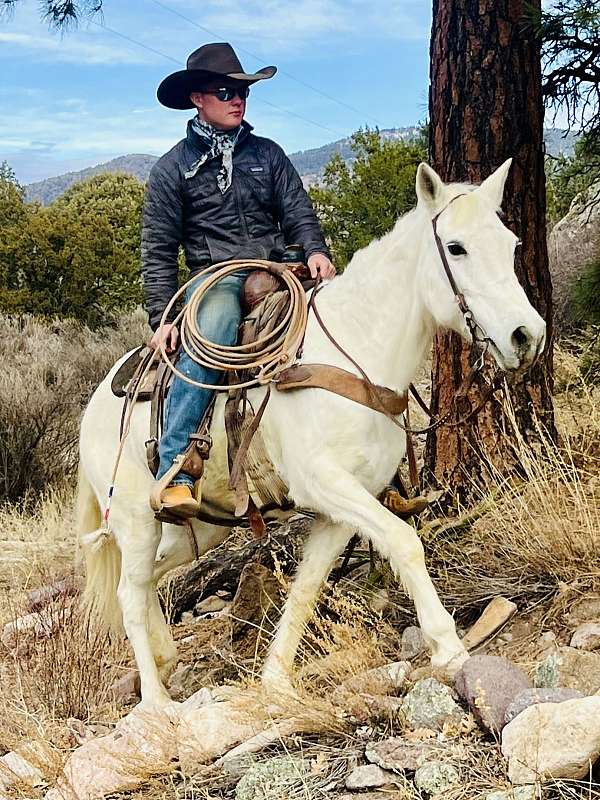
47	191
309	163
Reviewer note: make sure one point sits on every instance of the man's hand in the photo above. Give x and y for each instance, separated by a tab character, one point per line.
319	264
168	334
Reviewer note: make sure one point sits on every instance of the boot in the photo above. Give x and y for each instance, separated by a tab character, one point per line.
179	500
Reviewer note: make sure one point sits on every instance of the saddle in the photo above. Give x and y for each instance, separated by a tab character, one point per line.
257	486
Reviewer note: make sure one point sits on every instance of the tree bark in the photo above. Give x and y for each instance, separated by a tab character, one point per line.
485	106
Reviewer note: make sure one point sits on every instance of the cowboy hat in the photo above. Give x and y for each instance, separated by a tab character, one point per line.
208	63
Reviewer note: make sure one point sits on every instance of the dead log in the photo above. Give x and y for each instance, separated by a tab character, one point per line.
222	567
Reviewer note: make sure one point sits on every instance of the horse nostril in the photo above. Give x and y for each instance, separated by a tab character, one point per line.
520	338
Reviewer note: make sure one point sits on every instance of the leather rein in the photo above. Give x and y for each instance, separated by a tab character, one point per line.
479	337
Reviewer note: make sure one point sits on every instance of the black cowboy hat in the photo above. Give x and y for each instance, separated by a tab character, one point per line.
208	63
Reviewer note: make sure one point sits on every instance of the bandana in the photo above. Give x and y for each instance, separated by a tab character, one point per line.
221	143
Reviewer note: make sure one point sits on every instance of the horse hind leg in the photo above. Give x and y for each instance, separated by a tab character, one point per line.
326	541
137	597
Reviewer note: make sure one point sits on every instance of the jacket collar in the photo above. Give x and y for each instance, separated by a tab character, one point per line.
198	144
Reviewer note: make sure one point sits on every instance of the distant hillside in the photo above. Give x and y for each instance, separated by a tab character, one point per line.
47	191
309	163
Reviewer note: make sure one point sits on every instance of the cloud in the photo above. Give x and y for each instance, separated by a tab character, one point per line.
81	48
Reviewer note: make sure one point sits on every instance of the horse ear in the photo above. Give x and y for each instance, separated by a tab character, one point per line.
429	187
493	186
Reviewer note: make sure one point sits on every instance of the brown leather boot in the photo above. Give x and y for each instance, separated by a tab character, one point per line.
179	500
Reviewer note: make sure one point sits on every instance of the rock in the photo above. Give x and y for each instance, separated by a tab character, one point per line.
143	743
44	595
127	688
15	767
210	605
516	793
572	243
569	668
381	680
186	680
586	637
413	643
489	684
273	779
398	754
532	696
369	776
553	740
496	614
40	624
436	777
429	704
363	708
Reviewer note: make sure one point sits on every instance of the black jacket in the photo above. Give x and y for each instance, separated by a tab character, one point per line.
266	207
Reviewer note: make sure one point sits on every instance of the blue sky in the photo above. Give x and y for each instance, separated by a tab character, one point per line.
79	99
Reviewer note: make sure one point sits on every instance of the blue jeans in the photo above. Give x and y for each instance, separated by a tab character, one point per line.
219	317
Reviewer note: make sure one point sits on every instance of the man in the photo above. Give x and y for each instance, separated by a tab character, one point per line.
221	193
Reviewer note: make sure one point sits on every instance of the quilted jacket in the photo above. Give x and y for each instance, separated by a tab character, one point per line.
265	209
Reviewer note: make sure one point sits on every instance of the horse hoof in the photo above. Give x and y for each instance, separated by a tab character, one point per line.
450	665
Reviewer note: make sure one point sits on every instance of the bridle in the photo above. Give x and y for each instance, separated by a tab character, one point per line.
478	335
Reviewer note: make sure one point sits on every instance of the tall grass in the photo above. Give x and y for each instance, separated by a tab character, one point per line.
48	373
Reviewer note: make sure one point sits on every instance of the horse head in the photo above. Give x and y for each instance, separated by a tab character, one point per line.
479	251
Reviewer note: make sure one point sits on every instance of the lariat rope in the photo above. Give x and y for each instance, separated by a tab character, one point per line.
270	353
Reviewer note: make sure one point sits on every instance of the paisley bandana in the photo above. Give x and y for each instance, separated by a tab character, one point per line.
221	143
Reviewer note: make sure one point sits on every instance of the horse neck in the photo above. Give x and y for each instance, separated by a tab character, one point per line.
375	309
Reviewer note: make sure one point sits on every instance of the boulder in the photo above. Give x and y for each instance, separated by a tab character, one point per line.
569	668
368	776
531	697
553	740
489	684
399	754
572	244
430	704
586	637
436	777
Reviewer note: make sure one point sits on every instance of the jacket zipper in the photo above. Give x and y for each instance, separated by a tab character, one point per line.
238	206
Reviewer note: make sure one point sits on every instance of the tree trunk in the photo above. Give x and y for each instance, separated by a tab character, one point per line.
485	106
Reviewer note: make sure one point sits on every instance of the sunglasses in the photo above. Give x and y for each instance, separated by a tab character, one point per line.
225	95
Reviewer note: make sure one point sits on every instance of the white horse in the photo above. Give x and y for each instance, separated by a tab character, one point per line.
334	455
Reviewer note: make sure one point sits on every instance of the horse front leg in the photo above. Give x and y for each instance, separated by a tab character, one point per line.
347	500
325	542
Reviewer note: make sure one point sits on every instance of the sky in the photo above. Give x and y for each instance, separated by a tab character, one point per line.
80	98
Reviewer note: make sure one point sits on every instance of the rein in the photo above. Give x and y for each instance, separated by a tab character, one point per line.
474	329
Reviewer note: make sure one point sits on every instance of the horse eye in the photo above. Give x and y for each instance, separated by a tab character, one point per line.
456	249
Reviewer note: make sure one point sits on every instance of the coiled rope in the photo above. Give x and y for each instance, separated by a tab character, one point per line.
270	353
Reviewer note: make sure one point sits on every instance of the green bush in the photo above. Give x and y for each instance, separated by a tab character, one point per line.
78	258
586	293
361	202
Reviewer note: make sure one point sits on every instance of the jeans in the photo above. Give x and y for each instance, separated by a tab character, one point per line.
219	317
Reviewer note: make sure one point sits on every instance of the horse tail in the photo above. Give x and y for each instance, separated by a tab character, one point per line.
102	558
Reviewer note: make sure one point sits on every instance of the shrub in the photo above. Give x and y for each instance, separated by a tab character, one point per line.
49	372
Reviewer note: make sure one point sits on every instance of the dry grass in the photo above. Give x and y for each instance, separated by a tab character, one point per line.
536	535
48	373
